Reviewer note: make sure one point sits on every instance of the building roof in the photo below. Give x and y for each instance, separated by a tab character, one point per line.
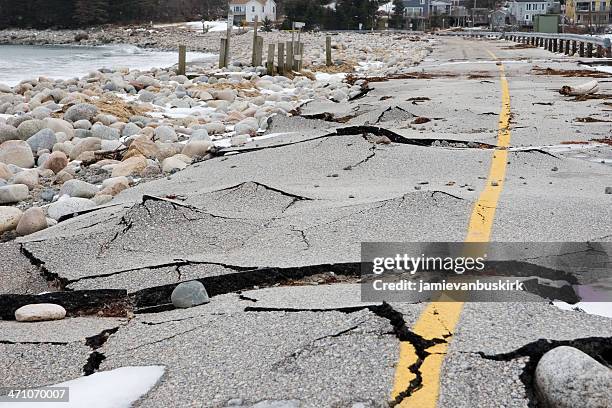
262	2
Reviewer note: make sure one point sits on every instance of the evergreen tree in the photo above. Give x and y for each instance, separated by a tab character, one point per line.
397	21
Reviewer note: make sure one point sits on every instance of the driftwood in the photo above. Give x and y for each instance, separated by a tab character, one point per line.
590	87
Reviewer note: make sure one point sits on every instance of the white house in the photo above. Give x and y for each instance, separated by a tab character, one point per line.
525	10
246	10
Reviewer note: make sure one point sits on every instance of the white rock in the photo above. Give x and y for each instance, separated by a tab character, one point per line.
40	312
17	152
69	206
27	177
173	164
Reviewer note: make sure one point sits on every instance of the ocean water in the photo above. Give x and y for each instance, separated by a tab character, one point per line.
19	62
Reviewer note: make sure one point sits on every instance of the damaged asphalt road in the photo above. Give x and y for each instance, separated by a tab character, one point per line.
273	229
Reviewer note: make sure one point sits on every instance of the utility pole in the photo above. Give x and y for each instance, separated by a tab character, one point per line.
473	13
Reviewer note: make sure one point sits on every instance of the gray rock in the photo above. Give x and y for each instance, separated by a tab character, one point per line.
82	133
44	139
130	129
16	152
40	312
104	132
566	377
200	135
47	194
165	134
82	124
146	96
80	111
608	190
41	112
29	128
59	125
8	132
246	126
89	144
189	294
78	188
69	206
13	193
27	177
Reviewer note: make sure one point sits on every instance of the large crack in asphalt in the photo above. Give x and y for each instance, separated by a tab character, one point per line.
95	357
599	348
400	330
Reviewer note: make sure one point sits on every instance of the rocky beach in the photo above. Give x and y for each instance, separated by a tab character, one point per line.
67	146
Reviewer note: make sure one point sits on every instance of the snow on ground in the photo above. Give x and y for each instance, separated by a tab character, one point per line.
594	308
325	77
213	26
387	7
107	389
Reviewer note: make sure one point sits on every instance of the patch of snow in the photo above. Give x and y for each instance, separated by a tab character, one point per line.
213	26
328	78
117	388
594	308
387	7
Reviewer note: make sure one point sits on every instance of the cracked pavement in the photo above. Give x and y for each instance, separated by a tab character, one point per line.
274	229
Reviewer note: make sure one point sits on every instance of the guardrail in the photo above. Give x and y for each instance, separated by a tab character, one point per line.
569	44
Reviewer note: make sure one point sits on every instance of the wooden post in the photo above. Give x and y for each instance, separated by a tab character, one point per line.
555	47
270	61
230	24
182	60
328	55
222	50
254	54
581	52
301	54
589	50
574	47
281	58
259	52
600	52
289	60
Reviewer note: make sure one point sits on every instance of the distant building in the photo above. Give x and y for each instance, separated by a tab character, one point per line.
589	13
246	10
525	10
502	20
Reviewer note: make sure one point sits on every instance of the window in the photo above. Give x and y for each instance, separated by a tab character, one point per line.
253	9
528	6
527	17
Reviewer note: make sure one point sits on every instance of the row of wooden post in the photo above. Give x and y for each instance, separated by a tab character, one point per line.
288	58
568	47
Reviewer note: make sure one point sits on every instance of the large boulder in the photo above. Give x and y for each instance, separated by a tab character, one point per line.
566	377
143	146
32	220
69	206
197	148
165	134
44	139
9	218
8	132
29	128
173	164
81	111
16	152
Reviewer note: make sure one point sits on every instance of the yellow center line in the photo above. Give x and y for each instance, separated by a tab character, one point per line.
439	319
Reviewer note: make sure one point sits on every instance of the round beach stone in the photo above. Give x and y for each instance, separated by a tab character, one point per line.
29	128
9	218
56	162
78	188
89	144
132	166
44	139
82	124
32	220
189	294
565	377
69	206
80	111
165	134
173	164
8	132
104	132
17	152
28	177
197	148
13	193
60	126
40	312
5	172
